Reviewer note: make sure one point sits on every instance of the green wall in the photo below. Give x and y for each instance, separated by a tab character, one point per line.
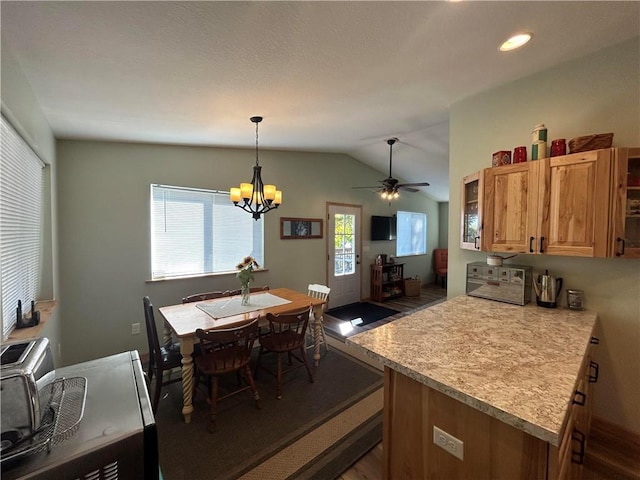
598	93
103	212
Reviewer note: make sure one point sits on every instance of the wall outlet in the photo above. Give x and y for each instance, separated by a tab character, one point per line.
135	329
448	442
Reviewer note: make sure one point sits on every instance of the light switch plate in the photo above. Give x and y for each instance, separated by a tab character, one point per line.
448	442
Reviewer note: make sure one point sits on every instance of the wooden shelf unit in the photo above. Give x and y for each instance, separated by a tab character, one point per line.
387	281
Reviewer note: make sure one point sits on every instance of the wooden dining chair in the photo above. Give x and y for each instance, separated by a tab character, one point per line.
322	292
440	260
286	335
162	358
200	297
222	352
238	291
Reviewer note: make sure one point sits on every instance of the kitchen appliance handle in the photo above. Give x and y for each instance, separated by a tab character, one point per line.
531	239
621	252
559	289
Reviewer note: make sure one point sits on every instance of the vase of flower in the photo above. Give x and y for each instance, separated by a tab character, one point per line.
245	274
245	294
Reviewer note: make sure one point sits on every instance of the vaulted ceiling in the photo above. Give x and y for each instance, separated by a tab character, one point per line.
326	76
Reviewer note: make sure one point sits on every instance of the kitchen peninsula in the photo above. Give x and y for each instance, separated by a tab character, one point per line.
508	381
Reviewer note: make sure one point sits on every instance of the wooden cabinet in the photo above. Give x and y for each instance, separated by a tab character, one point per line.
471	211
387	281
553	206
567	461
625	208
492	448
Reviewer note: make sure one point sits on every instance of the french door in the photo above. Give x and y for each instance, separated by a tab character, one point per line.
344	243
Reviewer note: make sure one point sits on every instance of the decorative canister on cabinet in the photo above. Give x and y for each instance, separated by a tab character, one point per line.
503	157
520	154
558	147
539	142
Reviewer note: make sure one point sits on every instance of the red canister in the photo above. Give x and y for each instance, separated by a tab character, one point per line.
558	147
519	154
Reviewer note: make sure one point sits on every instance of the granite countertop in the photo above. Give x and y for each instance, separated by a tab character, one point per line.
517	364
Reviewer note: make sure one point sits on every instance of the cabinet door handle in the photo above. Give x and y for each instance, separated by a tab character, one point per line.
595	368
621	252
595	340
541	243
475	243
578	436
531	239
583	398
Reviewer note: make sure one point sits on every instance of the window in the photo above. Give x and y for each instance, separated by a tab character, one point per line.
21	173
343	241
197	232
411	234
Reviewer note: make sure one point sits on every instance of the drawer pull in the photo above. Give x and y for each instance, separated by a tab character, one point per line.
595	340
595	368
578	457
583	398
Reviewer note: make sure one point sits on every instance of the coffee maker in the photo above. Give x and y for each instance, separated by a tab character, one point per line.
547	290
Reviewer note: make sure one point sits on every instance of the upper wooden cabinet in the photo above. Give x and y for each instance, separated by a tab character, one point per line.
471	211
554	206
625	207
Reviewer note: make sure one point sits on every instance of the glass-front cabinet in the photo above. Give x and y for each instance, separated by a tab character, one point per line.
471	211
626	207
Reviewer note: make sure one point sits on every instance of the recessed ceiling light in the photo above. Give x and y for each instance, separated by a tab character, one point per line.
515	41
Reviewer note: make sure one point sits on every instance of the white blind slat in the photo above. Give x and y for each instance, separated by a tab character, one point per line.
21	183
195	232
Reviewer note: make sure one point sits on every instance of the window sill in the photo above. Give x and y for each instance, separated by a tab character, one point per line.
205	275
46	308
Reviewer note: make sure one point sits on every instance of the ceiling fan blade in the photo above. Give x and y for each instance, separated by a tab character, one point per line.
407	189
418	184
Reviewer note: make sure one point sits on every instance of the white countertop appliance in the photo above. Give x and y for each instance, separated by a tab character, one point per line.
113	435
507	283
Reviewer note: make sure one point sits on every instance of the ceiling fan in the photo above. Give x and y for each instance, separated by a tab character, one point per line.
391	186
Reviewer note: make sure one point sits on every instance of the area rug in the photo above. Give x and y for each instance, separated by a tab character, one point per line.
317	431
367	312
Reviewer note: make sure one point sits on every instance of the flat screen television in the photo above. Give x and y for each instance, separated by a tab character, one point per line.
383	228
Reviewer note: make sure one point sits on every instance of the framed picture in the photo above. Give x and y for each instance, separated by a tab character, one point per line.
291	228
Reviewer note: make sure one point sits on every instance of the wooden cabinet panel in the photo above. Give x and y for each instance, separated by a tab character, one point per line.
624	238
471	212
510	207
492	449
574	194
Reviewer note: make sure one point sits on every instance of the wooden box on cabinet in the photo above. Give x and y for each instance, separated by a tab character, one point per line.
387	281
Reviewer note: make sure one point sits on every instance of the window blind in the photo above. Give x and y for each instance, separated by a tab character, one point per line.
196	232
21	173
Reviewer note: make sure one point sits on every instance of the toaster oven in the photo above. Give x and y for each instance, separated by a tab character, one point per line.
508	283
26	369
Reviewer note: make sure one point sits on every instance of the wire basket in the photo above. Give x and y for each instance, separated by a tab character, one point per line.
590	142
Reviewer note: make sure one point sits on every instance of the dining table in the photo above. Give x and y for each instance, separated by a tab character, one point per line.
184	319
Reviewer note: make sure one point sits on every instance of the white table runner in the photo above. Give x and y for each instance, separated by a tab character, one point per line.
232	306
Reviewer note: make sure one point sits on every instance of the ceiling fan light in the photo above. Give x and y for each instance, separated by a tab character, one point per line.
396	195
384	194
515	41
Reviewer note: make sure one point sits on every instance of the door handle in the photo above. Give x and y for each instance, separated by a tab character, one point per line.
621	252
357	259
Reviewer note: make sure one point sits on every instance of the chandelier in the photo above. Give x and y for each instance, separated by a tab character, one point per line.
255	197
